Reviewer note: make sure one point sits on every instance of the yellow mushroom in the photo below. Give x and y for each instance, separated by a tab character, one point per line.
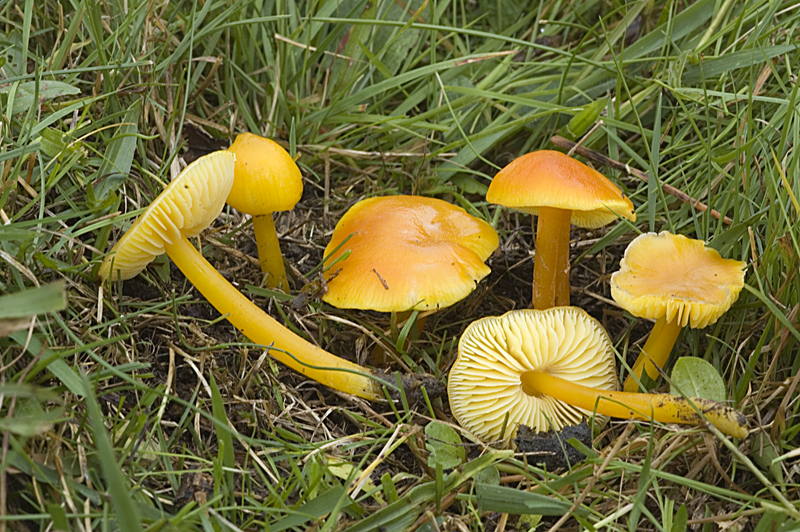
266	180
187	206
550	369
400	253
561	191
676	281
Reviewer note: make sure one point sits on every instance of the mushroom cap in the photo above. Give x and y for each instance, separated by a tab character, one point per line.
549	178
677	278
187	206
267	178
484	383
407	252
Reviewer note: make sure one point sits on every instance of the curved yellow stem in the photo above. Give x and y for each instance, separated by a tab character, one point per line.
654	353
551	262
657	407
269	252
262	329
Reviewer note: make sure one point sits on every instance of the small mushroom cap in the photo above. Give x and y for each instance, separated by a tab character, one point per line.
267	178
677	278
407	252
484	383
187	206
551	179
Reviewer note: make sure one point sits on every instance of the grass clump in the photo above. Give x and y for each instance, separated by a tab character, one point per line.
138	399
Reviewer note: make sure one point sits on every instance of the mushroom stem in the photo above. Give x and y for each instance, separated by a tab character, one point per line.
658	407
257	325
654	353
551	262
269	252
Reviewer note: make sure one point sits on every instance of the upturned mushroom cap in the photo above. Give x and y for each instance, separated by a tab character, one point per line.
678	278
407	252
484	384
267	178
187	206
551	179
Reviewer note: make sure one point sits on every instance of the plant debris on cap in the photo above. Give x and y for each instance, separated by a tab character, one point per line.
678	278
484	384
548	178
187	206
406	252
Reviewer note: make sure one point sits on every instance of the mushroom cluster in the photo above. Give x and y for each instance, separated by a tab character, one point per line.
545	368
549	367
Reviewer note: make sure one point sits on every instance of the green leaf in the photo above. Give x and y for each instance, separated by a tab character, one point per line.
317	507
30	419
765	455
26	95
223	432
489	476
118	489
48	298
680	519
54	142
695	377
514	501
709	68
119	155
58	516
444	446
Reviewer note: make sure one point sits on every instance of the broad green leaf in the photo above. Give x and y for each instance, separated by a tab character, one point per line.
709	68
30	419
119	155
26	95
118	489
444	446
765	455
313	509
694	377
680	519
54	142
47	298
514	501
489	476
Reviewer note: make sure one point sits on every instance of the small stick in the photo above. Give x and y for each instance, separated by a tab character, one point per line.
580	142
599	158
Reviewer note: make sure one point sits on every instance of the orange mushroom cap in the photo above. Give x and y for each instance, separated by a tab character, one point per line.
551	179
677	278
407	252
266	180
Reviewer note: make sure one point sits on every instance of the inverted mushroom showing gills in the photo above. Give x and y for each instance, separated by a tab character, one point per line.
561	191
266	180
676	281
187	206
399	253
549	369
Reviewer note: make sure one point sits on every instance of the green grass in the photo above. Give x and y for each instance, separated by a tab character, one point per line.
139	401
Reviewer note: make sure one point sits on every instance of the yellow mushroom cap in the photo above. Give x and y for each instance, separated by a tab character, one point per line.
267	178
187	206
484	383
407	252
551	179
677	278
